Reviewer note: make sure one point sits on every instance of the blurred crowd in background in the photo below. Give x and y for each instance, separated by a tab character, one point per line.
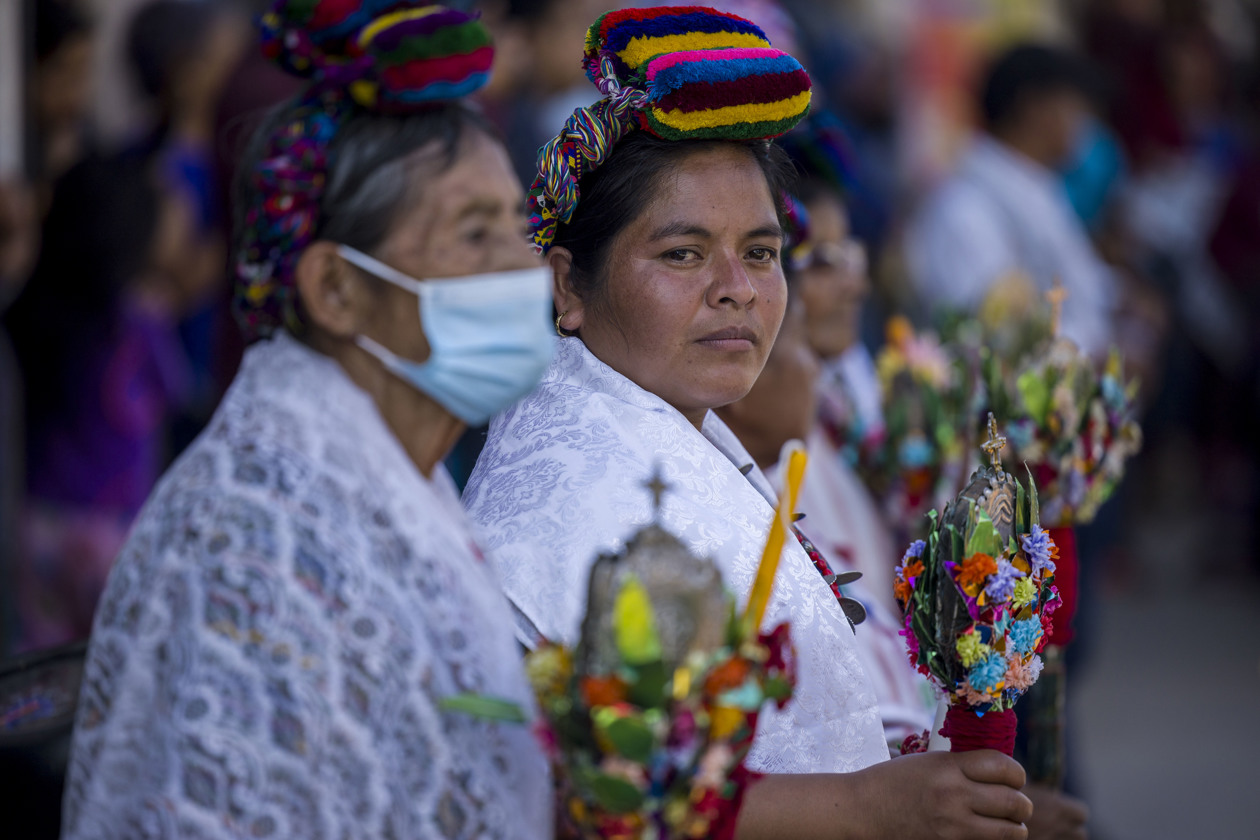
118	339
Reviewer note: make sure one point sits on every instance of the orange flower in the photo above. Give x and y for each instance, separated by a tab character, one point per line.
903	587
603	691
898	331
973	572
730	674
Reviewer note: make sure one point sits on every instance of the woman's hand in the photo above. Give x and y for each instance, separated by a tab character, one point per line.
939	796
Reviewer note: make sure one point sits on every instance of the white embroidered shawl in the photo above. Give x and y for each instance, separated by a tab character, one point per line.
270	651
561	479
843	523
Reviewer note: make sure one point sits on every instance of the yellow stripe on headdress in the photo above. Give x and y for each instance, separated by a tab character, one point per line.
640	50
733	114
385	21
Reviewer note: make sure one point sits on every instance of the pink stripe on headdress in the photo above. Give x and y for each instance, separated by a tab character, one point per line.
664	62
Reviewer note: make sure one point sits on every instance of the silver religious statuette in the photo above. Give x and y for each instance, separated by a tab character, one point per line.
991	488
686	593
996	492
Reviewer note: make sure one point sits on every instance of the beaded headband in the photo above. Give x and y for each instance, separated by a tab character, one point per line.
390	57
677	72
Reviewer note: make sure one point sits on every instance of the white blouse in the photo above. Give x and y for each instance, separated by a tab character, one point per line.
562	479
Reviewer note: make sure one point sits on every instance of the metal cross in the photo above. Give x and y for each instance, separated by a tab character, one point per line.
994	444
657	486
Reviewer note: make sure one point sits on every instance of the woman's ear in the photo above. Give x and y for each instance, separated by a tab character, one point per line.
330	292
568	304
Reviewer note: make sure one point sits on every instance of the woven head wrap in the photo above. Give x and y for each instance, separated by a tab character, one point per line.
384	56
678	72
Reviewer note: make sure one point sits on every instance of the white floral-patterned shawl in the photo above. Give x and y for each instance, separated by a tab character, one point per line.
273	644
561	479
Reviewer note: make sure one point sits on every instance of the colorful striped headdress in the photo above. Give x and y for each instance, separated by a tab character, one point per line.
390	57
678	72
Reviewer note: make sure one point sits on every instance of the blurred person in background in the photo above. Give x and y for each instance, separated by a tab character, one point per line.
60	89
181	54
546	38
101	365
1005	214
840	519
781	406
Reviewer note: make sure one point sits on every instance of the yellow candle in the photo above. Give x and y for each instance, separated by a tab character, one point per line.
759	597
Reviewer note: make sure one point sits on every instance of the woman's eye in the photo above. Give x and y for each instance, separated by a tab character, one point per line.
763	254
681	255
476	235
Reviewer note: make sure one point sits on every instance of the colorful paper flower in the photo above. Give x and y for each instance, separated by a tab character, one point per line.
1024	636
1040	550
1002	584
989	674
974	572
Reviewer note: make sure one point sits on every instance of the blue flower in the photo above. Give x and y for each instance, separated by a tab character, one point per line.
987	674
1025	634
914	551
1037	547
1001	585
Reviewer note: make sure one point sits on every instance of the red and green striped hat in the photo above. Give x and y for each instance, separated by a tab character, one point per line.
387	56
678	72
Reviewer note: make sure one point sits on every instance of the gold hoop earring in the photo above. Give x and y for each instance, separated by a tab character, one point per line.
559	329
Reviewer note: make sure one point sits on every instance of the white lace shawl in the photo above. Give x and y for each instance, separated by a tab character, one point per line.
561	479
269	653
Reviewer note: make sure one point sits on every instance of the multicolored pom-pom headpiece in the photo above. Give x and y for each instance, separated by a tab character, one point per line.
678	72
391	57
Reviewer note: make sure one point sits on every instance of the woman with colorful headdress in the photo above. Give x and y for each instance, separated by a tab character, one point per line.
659	208
301	637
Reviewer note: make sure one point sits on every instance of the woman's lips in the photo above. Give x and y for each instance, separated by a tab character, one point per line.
731	338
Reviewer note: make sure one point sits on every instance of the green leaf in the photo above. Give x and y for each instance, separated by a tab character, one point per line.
1035	393
631	737
778	688
648	687
615	795
985	538
480	706
1034	507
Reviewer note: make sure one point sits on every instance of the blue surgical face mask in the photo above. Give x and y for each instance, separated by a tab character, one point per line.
490	336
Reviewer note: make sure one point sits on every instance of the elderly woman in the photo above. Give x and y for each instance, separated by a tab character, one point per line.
301	637
658	208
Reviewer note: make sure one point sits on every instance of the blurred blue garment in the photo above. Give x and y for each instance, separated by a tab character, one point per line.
1096	170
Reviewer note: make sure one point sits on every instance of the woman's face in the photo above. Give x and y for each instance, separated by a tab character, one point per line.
694	292
834	283
469	219
782	404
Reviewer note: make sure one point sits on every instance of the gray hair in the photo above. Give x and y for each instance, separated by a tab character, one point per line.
372	161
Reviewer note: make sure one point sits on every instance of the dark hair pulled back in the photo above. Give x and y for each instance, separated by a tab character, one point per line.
623	187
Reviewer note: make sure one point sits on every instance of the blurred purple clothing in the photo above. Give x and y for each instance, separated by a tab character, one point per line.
89	472
108	451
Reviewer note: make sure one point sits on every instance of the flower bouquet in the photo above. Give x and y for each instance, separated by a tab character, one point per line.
977	598
653	713
919	459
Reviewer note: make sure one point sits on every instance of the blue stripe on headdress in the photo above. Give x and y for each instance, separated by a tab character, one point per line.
718	70
691	22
